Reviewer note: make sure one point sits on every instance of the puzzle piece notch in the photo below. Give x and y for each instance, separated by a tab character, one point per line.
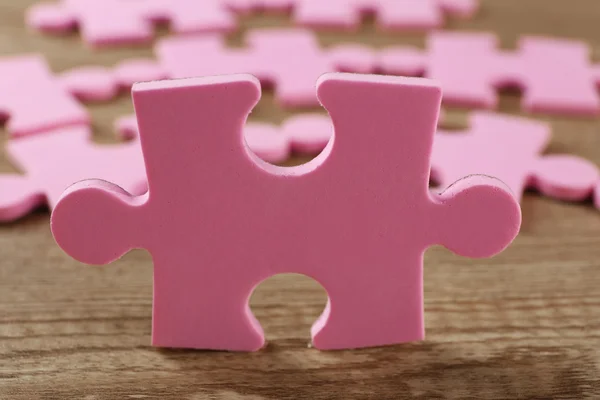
59	158
492	139
116	22
276	214
305	134
556	75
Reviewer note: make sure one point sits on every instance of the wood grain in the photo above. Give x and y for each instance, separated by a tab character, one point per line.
524	325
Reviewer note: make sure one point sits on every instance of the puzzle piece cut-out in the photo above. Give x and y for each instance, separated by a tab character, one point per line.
208	194
492	139
59	158
556	75
112	22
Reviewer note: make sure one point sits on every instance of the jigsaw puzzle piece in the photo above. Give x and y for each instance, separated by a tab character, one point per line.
27	77
59	158
18	197
390	14
113	22
269	55
246	202
556	76
492	139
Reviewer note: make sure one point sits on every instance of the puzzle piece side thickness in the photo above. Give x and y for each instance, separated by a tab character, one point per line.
376	235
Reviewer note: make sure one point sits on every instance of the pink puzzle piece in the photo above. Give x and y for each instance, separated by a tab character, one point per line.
218	220
59	158
493	139
304	134
271	55
347	14
35	100
391	14
556	75
110	22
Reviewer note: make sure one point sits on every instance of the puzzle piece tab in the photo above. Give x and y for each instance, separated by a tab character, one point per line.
59	158
556	75
492	139
110	22
218	220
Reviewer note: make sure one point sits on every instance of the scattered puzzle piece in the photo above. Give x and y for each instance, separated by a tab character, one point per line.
347	14
556	75
510	148
27	77
270	54
110	22
344	218
390	14
59	158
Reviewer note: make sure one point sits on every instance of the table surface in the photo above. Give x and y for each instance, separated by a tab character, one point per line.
525	324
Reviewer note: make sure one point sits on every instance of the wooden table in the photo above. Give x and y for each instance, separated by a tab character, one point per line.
525	324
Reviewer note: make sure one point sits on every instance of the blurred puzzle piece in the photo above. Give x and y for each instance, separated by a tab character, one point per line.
218	221
555	75
33	99
347	14
54	161
111	22
510	148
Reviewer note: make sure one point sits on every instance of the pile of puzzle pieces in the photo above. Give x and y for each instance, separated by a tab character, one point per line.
383	110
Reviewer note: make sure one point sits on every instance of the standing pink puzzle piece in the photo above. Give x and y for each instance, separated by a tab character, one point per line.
493	139
35	100
109	22
218	220
556	75
59	158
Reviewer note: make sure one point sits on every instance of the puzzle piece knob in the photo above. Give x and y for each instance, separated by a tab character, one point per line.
481	217
91	237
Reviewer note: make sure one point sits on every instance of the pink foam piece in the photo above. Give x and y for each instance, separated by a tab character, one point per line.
218	220
347	14
271	55
35	100
111	22
59	158
510	148
28	76
556	75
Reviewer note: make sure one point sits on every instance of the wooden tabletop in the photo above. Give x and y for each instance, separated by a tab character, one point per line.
523	325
